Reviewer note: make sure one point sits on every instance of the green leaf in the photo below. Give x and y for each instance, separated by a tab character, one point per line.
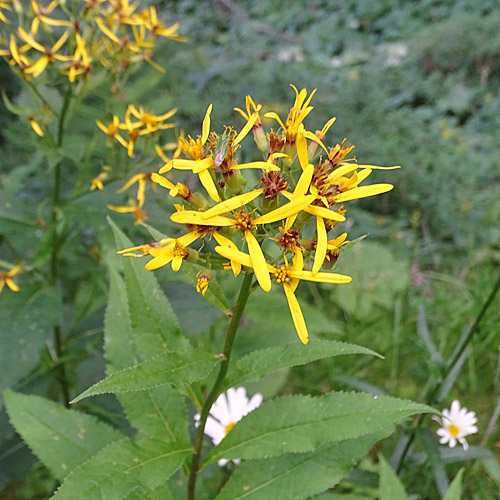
264	361
121	468
157	412
297	476
455	490
298	424
62	439
165	368
13	108
151	314
28	317
391	487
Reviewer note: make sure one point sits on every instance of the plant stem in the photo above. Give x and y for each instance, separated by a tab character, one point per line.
436	387
54	257
214	393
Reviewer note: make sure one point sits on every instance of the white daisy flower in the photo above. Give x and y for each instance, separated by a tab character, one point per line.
456	424
229	408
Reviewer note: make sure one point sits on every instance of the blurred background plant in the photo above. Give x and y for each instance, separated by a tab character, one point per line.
414	84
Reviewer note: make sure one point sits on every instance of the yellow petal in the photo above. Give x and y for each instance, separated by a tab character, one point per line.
302	149
225	242
298	265
244	131
321	243
296	312
320	277
234	255
337	242
194	217
131	181
232	203
176	263
159	179
259	263
121	210
285	211
304	182
257	164
202	164
35	126
159	261
188	238
209	185
272	114
12	285
363	192
205	129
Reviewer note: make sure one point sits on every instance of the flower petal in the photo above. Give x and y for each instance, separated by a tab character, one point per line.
296	312
321	244
259	263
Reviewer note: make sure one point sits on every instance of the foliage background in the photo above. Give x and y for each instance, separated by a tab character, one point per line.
415	84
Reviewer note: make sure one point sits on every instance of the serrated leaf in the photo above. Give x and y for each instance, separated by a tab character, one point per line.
62	439
157	412
297	476
165	368
298	424
455	490
122	467
151	314
259	363
391	487
28	317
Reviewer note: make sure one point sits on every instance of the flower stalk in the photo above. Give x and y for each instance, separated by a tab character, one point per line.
216	389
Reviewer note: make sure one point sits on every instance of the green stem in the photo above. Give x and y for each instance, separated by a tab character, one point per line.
54	257
214	393
434	389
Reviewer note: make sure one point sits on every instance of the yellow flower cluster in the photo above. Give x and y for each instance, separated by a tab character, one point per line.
279	227
138	122
72	37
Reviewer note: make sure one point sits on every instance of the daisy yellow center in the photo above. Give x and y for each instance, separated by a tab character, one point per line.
453	430
229	426
282	275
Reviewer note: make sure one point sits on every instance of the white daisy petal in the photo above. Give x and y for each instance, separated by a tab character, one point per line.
229	408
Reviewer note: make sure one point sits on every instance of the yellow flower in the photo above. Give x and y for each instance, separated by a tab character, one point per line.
81	61
112	131
6	6
151	122
159	29
6	278
296	116
174	251
289	277
41	14
141	179
50	54
97	181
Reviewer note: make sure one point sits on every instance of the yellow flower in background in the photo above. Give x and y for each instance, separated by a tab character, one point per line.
6	278
50	54
4	6
41	16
